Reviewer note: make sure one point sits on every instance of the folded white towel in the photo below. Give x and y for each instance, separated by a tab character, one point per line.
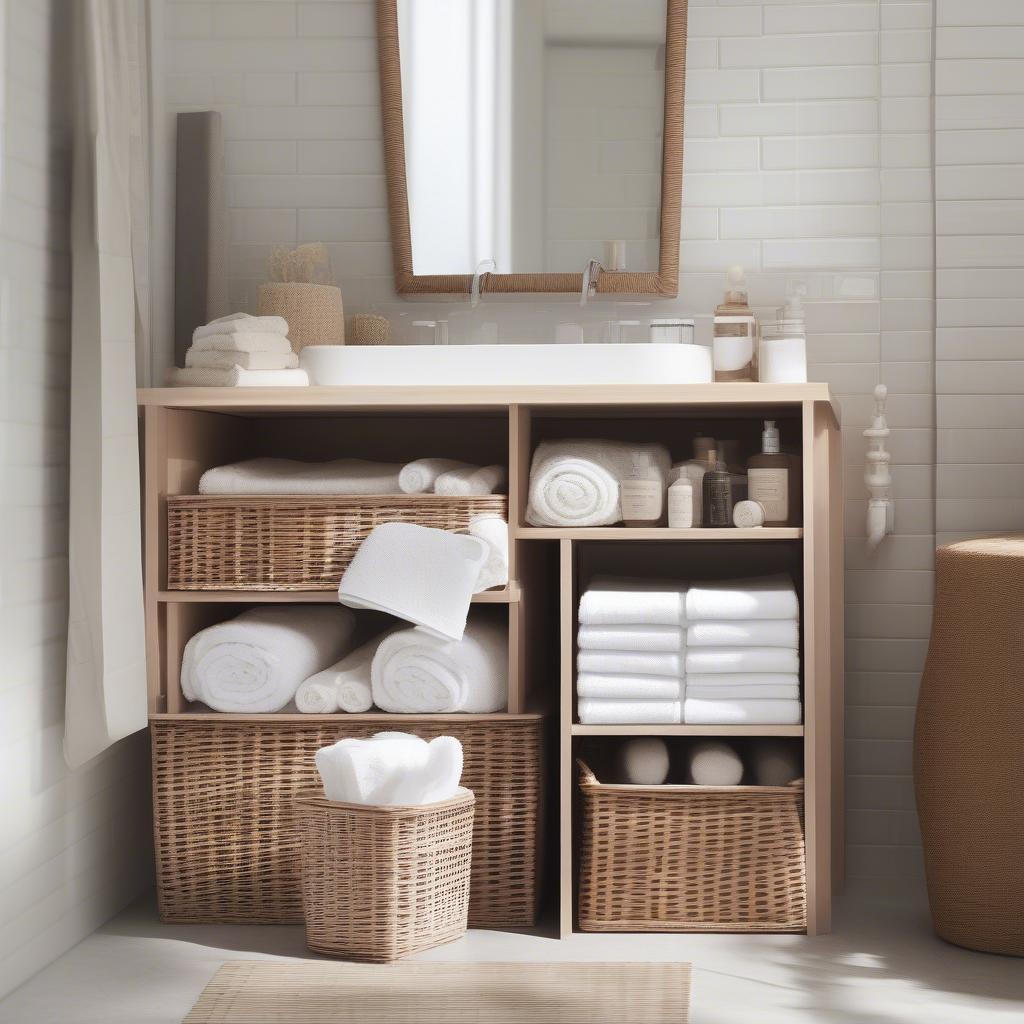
631	638
472	480
345	686
576	483
742	679
608	687
286	476
744	633
416	573
195	358
766	597
785	691
632	712
493	531
734	660
254	663
699	711
236	377
242	323
255	341
418	477
631	663
416	673
628	602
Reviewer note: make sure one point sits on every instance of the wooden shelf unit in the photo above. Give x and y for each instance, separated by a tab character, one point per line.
187	430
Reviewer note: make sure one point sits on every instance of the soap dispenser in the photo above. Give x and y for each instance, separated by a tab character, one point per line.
773	480
642	493
734	345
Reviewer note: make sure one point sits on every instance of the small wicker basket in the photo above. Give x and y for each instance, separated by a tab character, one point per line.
381	883
691	858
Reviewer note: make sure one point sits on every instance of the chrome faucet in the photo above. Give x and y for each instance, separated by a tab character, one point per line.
483	269
591	272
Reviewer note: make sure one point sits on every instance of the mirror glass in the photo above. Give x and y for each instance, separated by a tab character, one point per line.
533	133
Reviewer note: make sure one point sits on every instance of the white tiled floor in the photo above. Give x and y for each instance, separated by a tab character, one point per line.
880	966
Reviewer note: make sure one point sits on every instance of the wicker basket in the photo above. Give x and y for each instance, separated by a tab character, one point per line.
227	849
380	883
691	858
293	542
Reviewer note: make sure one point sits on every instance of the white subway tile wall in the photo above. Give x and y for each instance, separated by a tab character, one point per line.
75	846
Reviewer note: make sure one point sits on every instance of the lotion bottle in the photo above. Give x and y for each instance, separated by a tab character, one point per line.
773	480
642	493
680	504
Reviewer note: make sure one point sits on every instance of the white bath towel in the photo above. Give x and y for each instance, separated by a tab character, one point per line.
472	480
437	780
576	483
255	341
345	686
784	691
631	712
493	531
195	358
725	679
631	663
608	687
254	663
418	477
698	711
236	377
416	573
629	602
416	673
708	660
631	638
242	323
744	633
766	597
286	476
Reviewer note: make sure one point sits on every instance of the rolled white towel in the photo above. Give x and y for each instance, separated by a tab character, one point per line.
775	762
414	672
368	771
473	480
744	633
254	663
765	597
714	763
287	476
576	482
254	341
725	680
235	377
242	323
493	531
246	360
629	602
643	761
418	477
743	692
631	638
632	712
631	663
709	660
698	711
345	686
608	687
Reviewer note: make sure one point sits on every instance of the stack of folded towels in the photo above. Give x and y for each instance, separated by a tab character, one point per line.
742	653
240	351
632	641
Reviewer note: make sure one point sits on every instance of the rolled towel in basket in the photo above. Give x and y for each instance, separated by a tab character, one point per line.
576	483
631	638
254	663
345	686
418	477
630	663
414	672
493	531
632	712
744	633
629	602
735	660
700	711
714	763
472	480
287	476
608	687
766	597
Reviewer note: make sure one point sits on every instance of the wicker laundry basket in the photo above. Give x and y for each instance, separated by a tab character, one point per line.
691	858
293	542
380	883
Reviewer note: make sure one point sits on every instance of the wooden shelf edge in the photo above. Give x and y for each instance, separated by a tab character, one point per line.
764	533
372	717
510	595
687	730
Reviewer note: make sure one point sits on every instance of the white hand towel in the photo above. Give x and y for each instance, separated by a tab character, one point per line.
367	771
473	480
698	711
725	679
576	483
744	633
437	780
416	673
254	663
493	531
789	691
345	686
631	712
609	687
286	476
418	477
631	638
195	358
236	377
767	597
416	573
708	660
255	341
629	602
630	663
242	323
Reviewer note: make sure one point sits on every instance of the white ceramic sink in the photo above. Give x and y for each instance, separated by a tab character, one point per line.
348	365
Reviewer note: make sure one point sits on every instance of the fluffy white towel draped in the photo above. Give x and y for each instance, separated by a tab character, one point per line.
345	686
215	359
630	663
236	377
254	663
418	477
242	323
744	633
708	660
473	480
493	531
414	672
720	679
576	483
630	602
629	712
766	597
790	691
631	638
286	476
608	687
698	711
243	342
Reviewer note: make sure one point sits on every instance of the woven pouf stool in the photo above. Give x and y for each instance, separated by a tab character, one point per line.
969	746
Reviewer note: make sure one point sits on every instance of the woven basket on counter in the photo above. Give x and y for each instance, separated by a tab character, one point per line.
227	846
691	858
293	542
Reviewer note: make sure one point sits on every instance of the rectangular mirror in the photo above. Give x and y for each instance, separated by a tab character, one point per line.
526	138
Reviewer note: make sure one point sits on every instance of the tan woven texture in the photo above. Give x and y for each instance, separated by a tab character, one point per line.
691	858
232	542
227	847
381	883
314	312
370	329
969	746
261	992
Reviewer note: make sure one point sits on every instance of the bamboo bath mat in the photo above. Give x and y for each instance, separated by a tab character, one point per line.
266	992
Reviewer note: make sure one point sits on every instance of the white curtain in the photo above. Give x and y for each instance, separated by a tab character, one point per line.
106	670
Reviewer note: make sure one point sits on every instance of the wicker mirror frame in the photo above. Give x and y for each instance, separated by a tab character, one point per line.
663	282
